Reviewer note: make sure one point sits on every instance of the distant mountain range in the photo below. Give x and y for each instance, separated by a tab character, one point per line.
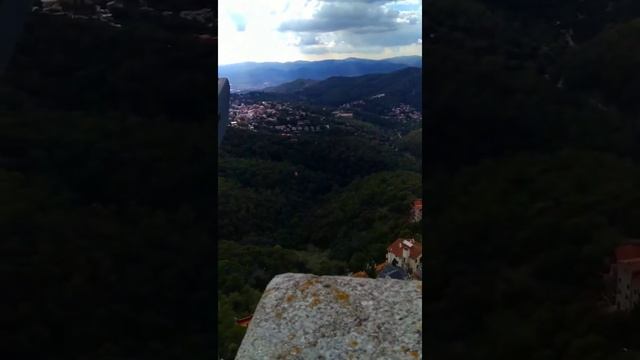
290	87
255	76
400	86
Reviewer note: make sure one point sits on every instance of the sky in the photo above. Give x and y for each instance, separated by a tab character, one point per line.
290	30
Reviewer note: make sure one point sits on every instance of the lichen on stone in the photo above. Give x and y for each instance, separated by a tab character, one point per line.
341	295
334	317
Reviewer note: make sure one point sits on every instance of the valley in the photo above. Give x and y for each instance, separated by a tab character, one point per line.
321	180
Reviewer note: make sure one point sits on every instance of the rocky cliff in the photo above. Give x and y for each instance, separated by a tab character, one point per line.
334	317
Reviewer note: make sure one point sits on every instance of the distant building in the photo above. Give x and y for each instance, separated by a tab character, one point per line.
625	271
406	254
244	322
416	210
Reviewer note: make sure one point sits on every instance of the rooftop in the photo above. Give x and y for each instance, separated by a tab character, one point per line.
415	249
627	251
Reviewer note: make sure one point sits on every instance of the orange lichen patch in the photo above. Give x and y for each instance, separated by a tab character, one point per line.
414	354
341	295
307	284
360	274
353	343
290	298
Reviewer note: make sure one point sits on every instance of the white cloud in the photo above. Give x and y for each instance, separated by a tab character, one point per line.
319	29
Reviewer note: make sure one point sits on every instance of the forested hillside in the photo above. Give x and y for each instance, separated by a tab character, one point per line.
531	171
402	86
314	176
325	204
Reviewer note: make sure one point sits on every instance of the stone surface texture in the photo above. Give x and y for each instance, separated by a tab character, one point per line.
304	316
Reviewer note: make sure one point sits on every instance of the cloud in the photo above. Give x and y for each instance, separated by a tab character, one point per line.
364	26
309	40
357	1
335	16
289	30
349	42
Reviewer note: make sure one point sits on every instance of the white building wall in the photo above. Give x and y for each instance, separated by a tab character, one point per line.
411	264
627	296
391	257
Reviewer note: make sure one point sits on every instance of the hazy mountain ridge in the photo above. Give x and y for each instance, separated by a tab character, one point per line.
290	87
255	76
401	86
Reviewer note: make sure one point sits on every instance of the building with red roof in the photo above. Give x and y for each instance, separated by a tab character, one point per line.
407	254
244	322
628	251
626	272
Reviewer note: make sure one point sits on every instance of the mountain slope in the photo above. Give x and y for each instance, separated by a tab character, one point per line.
247	76
415	61
290	87
402	86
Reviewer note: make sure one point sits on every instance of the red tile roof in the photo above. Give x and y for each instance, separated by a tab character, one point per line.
627	252
415	249
417	204
244	322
